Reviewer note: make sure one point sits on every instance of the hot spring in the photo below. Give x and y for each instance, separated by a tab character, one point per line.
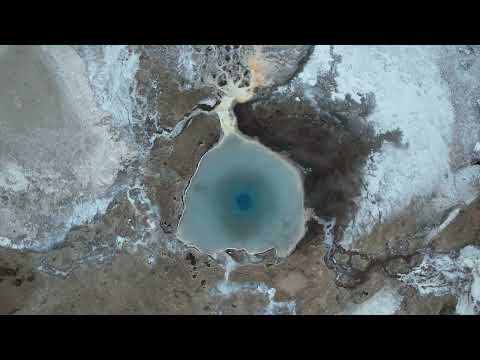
243	196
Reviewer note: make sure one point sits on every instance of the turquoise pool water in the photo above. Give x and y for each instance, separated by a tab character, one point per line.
243	196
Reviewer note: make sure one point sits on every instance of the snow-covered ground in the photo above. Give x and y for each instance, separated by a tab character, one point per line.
443	274
411	94
386	301
227	288
59	151
111	73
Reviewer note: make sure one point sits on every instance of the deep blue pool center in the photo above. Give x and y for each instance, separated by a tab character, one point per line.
244	201
242	196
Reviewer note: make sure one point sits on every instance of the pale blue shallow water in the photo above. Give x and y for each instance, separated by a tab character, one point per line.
243	196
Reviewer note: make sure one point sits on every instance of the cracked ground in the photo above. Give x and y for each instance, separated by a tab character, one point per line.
98	145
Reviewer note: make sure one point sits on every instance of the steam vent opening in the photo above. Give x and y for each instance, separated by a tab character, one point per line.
243	196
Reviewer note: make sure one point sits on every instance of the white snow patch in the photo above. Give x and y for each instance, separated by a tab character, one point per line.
120	241
225	286
319	63
7	243
385	302
85	149
228	288
273	307
53	271
434	232
12	177
172	133
85	211
152	213
461	188
111	72
412	96
186	64
208	101
476	149
150	260
148	236
442	275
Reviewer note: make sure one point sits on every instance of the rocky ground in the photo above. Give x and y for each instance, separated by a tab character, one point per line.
153	118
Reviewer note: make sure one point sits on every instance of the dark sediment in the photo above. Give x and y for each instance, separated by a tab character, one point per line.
331	142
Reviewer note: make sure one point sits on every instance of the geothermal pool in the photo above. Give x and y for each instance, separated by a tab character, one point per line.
243	196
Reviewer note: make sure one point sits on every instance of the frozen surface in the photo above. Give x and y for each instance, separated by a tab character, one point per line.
227	288
58	156
70	119
243	196
111	73
443	274
413	95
